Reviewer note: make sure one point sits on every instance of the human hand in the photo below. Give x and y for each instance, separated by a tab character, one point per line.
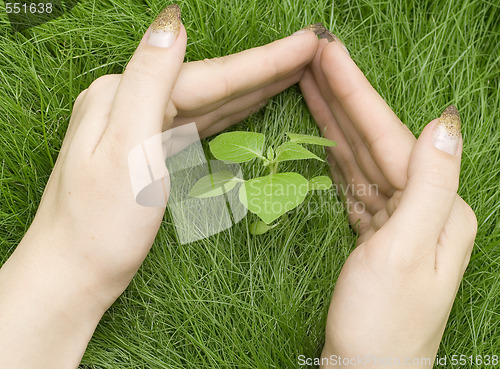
213	93
395	292
89	236
217	93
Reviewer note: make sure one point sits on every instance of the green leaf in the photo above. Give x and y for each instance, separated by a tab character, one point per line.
259	227
270	153
292	151
271	196
320	183
214	184
237	147
313	140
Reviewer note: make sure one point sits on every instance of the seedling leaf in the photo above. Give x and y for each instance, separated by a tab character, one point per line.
271	196
214	184
292	151
259	227
237	147
320	183
270	153
313	140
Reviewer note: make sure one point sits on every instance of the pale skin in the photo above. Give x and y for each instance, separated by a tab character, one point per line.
395	291
89	236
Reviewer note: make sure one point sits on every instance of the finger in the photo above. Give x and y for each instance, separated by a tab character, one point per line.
388	140
146	85
432	184
237	105
456	241
221	79
229	121
78	109
95	112
363	158
358	215
357	184
383	215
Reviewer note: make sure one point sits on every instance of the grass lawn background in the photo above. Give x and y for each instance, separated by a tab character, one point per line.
235	300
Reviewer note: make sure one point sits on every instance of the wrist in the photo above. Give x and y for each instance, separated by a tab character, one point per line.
92	258
48	310
375	358
71	276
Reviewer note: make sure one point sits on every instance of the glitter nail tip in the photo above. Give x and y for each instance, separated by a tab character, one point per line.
446	135
165	28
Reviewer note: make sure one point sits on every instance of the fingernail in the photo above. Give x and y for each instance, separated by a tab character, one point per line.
446	134
317	28
331	37
165	27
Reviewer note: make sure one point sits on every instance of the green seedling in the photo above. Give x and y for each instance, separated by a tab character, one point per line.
270	196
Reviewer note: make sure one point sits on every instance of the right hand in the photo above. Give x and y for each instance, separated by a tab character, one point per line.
217	93
396	289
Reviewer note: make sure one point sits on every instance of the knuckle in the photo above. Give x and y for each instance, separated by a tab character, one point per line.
393	202
228	87
403	257
102	85
214	62
470	219
148	64
139	68
435	177
103	82
379	219
79	100
217	66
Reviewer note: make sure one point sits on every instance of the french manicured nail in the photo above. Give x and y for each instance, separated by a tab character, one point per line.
446	135
165	27
317	28
331	37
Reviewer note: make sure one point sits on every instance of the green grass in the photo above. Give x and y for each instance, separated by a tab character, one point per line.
234	300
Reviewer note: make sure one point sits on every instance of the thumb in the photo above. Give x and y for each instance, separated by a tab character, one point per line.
138	111
433	175
144	92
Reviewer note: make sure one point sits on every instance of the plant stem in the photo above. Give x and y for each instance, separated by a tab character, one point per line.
273	168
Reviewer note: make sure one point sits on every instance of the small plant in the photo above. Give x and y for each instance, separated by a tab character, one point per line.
269	196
